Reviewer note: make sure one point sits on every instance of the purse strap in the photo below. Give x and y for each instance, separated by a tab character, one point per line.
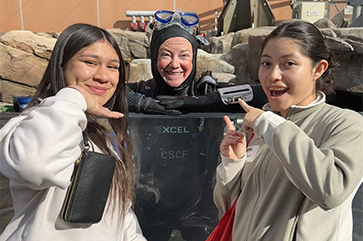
85	140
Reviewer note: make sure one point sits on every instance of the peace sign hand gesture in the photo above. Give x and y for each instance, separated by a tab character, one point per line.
234	143
250	116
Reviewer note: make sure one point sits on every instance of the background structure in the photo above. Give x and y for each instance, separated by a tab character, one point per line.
56	15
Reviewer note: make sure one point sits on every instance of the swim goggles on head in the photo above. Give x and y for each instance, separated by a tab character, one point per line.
187	21
169	17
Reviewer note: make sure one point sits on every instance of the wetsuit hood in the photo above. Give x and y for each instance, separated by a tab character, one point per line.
158	38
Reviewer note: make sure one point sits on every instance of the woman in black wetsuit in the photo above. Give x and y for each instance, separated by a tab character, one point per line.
174	88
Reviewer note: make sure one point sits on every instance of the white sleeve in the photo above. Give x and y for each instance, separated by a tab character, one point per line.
38	149
132	230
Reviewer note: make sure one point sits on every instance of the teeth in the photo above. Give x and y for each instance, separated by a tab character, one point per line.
277	89
174	73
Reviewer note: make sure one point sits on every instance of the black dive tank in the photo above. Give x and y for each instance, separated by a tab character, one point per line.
176	159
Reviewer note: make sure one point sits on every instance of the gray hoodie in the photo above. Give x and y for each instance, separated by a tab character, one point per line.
299	177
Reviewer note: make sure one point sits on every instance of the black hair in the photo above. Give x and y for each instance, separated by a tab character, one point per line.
312	45
158	38
72	40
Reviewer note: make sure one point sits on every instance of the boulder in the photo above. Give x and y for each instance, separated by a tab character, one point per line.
219	45
237	57
29	42
324	23
349	75
140	69
133	45
9	90
21	67
213	62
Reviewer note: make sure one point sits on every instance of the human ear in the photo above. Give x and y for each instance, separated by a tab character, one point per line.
320	68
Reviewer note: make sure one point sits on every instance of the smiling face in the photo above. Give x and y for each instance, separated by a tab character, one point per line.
95	69
175	60
288	77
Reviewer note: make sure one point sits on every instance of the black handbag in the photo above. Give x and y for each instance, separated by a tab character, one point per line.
90	185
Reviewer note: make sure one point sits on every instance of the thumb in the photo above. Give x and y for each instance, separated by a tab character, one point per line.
244	105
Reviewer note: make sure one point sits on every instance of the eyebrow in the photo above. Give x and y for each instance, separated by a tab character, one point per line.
168	49
186	50
97	57
282	57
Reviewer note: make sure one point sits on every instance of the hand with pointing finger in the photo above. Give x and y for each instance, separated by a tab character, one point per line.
234	143
250	116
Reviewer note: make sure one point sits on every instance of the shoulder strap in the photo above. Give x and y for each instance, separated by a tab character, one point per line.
252	135
85	140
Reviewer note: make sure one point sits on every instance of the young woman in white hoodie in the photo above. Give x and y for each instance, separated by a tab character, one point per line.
84	80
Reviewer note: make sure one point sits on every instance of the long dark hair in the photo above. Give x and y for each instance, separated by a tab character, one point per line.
73	39
312	44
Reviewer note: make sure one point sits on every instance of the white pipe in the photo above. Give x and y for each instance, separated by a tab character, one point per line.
21	15
174	6
150	18
139	13
215	20
98	14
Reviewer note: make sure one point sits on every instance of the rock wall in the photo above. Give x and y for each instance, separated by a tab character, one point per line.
231	58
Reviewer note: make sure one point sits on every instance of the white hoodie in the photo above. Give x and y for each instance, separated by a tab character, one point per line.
37	153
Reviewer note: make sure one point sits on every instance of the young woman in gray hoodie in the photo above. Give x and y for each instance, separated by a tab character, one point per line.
304	162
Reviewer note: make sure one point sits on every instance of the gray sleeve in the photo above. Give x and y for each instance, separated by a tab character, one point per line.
328	173
228	185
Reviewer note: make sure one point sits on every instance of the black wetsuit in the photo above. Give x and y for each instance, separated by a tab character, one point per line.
148	97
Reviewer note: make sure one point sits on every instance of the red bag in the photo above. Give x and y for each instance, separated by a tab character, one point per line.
223	230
